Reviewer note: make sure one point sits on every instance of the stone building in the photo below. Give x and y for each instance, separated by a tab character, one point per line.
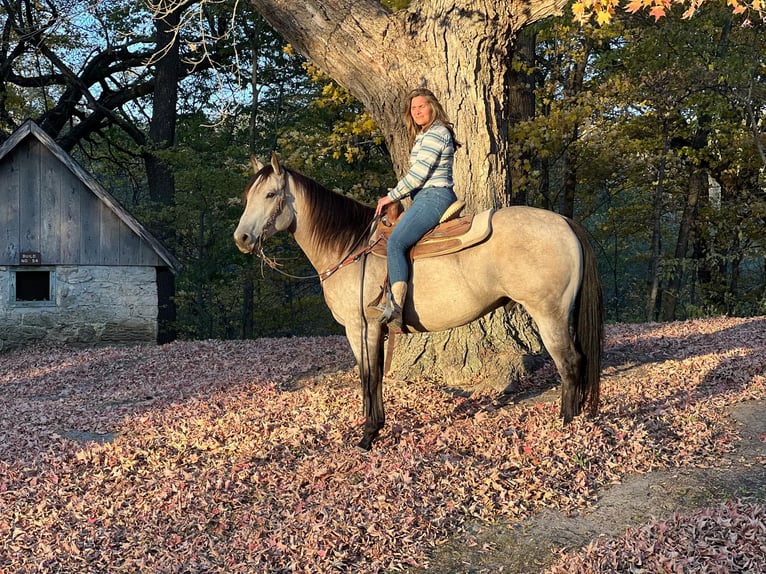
75	266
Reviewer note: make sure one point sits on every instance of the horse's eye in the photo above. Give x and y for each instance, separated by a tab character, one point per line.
270	195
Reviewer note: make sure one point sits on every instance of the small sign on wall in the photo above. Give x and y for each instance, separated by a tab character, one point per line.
30	258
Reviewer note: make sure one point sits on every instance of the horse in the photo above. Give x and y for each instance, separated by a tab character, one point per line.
533	257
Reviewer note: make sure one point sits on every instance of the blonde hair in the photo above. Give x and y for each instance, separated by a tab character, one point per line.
437	114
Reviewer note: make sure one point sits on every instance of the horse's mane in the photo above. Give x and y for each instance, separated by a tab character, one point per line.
337	222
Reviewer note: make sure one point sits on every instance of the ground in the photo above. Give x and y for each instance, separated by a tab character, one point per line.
239	457
535	544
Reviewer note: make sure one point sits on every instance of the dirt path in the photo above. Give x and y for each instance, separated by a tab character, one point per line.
534	545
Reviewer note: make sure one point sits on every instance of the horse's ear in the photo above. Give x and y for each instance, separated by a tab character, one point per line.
255	162
275	163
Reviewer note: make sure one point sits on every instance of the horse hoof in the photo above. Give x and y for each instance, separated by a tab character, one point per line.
366	443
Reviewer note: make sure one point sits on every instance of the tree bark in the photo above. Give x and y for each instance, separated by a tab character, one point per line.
574	90
461	51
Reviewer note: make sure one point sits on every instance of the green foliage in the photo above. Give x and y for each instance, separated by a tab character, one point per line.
695	87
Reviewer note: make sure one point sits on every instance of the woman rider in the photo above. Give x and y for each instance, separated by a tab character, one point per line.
428	182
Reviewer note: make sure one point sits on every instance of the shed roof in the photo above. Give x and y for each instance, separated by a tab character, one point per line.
31	129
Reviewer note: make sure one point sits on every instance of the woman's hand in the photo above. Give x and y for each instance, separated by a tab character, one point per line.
382	203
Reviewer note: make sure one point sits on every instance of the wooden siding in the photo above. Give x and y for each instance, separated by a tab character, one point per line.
47	205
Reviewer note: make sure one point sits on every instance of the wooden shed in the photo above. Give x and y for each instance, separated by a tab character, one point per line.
75	266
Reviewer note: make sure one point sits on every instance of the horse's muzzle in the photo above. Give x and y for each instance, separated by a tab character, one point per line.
245	242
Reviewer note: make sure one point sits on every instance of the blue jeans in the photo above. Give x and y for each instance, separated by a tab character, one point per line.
428	205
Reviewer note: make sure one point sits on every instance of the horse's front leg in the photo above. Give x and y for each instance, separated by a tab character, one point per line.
367	344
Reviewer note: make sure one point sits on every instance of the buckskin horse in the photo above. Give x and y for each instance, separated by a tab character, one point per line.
532	257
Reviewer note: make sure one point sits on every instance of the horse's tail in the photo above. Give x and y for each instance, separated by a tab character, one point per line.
588	325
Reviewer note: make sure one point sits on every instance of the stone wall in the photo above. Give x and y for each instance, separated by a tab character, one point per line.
92	305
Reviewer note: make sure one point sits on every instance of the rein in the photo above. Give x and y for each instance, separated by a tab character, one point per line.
352	257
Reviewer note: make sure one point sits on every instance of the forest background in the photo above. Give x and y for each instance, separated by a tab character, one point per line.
649	131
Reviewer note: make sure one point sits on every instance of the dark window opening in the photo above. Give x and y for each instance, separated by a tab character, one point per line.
33	286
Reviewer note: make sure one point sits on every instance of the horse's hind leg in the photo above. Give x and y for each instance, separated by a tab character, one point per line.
367	344
554	331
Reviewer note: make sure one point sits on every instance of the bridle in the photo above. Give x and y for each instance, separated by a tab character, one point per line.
354	254
271	222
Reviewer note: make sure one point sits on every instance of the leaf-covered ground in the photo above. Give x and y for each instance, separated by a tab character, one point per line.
239	456
730	537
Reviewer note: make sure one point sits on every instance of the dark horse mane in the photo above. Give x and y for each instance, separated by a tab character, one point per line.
337	222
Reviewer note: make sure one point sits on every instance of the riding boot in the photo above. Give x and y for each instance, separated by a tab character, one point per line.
399	292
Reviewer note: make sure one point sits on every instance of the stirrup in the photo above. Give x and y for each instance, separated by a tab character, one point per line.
380	305
374	312
390	309
392	315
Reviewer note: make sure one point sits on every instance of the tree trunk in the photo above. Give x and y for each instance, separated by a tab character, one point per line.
162	128
697	180
573	92
248	277
460	50
521	103
489	354
698	186
248	301
733	283
656	252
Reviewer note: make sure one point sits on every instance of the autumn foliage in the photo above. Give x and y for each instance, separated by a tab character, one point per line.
603	10
237	456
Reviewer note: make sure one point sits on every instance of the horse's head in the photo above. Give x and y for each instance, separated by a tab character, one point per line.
268	206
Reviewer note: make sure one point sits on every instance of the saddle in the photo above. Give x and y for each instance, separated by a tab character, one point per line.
450	236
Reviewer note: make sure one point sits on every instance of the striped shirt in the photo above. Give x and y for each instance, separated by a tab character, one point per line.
431	161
